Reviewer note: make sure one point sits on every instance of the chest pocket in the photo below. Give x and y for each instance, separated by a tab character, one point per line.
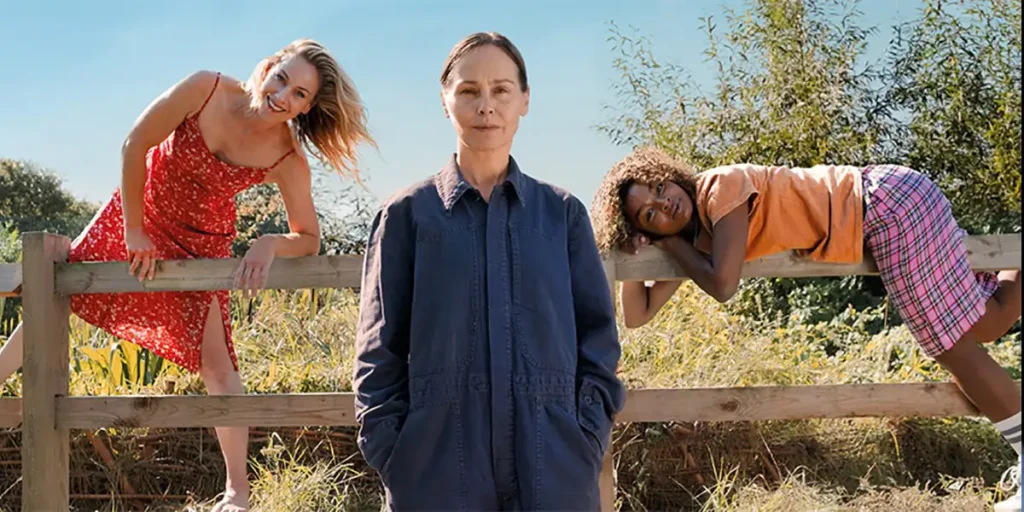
545	314
446	300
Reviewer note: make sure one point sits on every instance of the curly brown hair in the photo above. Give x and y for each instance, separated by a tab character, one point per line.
646	164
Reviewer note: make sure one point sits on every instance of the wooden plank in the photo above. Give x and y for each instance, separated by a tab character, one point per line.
210	274
941	399
996	252
46	445
10	279
988	253
286	410
10	412
797	402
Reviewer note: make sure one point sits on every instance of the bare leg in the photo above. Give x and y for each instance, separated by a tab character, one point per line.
221	378
981	379
1001	310
11	354
984	382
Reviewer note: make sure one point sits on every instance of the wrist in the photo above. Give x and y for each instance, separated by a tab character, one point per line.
270	240
669	242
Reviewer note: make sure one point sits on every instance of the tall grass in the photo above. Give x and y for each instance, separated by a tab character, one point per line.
302	341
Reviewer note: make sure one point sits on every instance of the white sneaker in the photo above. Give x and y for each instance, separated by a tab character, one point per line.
1011	479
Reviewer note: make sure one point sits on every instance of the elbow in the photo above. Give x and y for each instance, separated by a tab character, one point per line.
131	148
126	148
724	291
314	245
301	243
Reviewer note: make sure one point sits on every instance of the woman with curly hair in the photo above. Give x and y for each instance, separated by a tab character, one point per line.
711	222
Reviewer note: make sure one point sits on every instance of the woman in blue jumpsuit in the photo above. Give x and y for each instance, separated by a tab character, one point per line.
485	372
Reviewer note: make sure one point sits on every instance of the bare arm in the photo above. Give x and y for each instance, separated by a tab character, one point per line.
293	179
640	303
156	122
719	275
295	184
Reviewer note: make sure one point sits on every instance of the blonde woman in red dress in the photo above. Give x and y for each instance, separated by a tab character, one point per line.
194	148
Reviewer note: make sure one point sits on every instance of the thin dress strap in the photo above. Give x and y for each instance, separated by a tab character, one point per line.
279	160
216	81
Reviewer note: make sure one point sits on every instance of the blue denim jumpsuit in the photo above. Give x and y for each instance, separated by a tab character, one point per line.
486	351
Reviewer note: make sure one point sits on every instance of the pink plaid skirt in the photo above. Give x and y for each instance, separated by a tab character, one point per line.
910	231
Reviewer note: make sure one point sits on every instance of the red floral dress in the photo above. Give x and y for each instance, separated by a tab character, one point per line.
189	212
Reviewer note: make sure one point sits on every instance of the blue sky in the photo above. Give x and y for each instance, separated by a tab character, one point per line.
79	73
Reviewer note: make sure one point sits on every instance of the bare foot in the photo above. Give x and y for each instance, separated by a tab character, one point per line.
232	502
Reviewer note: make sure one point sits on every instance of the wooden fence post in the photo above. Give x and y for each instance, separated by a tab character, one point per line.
45	448
606	480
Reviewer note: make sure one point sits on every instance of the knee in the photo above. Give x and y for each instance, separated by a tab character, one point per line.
961	357
221	378
998	319
984	333
1008	295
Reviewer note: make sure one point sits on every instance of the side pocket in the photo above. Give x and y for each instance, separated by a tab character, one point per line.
567	464
391	455
590	413
377	444
425	470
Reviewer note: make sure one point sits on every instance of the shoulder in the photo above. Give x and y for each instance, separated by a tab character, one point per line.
397	218
199	84
405	199
728	178
556	201
206	79
194	89
550	193
730	171
721	189
293	170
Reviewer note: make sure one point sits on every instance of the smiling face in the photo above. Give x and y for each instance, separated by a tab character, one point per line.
660	208
288	89
484	98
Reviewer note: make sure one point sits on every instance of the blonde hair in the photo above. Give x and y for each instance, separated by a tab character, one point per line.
646	164
337	120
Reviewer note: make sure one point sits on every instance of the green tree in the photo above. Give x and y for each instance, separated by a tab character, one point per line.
791	90
34	199
954	78
10	252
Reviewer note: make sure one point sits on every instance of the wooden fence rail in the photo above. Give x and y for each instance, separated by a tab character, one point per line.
47	413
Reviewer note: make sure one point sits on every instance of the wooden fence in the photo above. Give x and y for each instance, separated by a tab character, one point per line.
46	412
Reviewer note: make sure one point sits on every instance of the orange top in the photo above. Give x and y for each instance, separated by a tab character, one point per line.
817	212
